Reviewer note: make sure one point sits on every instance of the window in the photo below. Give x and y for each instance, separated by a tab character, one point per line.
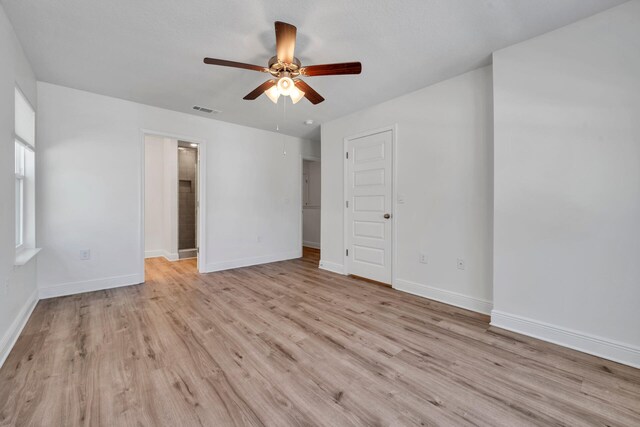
24	131
19	195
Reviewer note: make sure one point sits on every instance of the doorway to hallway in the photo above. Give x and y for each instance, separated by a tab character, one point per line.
172	192
311	204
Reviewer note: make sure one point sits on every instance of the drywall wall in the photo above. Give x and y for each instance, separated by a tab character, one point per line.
311	149
444	175
160	197
311	204
91	173
567	185
17	284
311	193
154	237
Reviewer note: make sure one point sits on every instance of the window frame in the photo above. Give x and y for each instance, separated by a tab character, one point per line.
19	196
20	171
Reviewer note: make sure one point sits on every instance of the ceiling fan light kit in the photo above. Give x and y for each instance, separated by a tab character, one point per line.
285	84
273	94
286	69
296	95
286	88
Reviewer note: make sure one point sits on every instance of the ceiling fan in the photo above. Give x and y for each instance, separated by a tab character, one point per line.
286	70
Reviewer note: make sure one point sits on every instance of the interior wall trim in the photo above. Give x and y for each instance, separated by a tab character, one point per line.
73	288
314	245
445	296
161	253
331	266
11	336
249	261
586	343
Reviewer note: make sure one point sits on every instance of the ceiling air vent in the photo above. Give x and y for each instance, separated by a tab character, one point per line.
206	110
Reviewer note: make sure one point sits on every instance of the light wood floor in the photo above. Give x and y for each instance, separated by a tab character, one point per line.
287	344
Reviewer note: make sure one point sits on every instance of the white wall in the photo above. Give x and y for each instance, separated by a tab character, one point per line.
161	201
17	285
311	149
311	204
91	170
444	173
567	185
154	237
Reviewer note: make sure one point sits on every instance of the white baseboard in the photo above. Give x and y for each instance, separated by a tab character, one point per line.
89	286
171	257
442	295
153	254
247	262
11	336
597	346
160	253
331	266
314	245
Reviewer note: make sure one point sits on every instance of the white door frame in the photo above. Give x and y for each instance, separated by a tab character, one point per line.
304	157
202	187
345	193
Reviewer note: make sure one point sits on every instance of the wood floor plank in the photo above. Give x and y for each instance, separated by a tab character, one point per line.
288	344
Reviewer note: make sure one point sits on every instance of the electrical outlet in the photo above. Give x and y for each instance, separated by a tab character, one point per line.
423	258
85	254
460	264
259	239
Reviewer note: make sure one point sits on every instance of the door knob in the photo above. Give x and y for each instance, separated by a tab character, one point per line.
387	216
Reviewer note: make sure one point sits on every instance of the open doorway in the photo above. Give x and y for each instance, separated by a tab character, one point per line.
311	208
172	192
187	200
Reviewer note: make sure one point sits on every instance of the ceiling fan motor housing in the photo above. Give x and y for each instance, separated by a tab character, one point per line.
277	67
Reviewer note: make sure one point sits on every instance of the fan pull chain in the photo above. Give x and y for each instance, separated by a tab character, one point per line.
284	109
284	118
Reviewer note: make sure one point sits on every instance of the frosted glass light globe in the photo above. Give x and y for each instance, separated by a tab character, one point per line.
273	94
285	84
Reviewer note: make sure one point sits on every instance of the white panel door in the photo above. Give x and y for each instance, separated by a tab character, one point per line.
369	206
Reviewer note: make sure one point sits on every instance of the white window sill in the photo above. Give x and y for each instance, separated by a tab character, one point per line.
25	255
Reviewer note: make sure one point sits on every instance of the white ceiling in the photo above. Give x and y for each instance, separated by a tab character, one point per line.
151	51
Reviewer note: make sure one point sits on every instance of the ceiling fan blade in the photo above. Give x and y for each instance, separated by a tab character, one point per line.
309	93
225	63
332	69
260	90
285	41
